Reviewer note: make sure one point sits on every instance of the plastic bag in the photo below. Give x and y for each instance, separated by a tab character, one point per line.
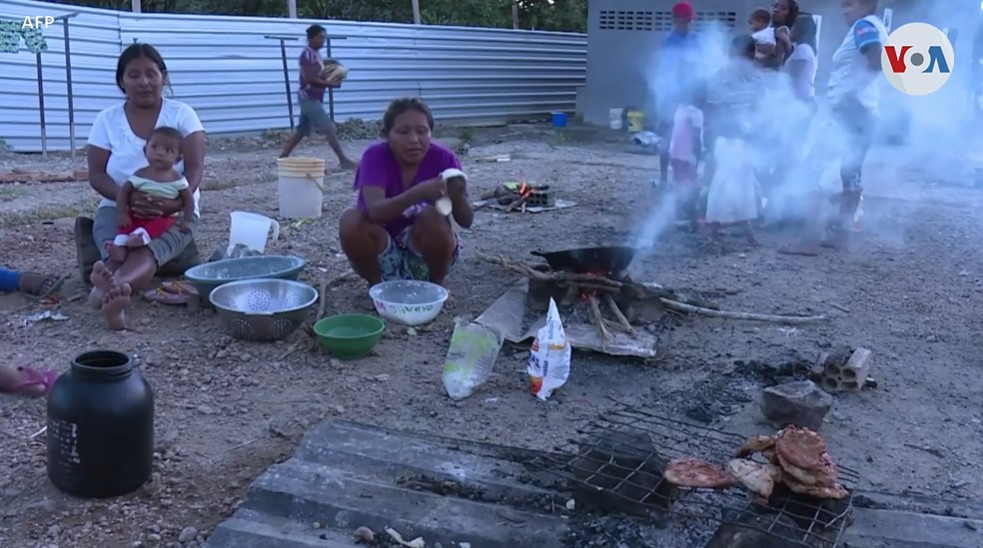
549	357
470	358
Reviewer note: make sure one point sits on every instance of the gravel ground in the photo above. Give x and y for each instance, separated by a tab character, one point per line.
228	409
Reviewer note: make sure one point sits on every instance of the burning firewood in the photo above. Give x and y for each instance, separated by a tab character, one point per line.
517	196
585	281
598	318
594	284
618	314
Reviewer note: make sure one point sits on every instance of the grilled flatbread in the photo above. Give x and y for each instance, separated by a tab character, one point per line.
758	478
755	444
824	474
691	472
801	447
831	491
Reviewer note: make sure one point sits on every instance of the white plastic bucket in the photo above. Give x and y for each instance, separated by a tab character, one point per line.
615	115
252	230
300	187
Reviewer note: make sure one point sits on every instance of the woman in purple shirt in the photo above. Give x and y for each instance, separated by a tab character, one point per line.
395	232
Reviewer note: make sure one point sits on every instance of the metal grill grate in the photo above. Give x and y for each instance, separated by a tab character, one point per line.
620	461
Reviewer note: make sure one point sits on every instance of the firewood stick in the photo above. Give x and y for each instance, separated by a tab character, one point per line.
749	316
595	311
616	310
589	287
530	272
515	204
322	291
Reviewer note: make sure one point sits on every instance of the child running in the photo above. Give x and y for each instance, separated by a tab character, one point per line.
160	179
732	100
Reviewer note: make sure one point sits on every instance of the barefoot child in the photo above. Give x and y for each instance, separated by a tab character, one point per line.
160	179
685	149
732	100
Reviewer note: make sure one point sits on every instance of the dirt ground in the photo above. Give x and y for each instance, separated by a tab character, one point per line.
228	409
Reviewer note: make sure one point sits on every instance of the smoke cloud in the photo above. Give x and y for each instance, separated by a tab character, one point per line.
805	148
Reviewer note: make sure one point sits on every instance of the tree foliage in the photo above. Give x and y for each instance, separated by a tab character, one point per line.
560	15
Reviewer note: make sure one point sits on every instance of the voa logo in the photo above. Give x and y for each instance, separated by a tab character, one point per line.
918	59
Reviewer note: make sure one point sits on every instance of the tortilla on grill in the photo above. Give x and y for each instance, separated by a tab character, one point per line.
757	477
691	472
832	491
755	444
801	447
824	474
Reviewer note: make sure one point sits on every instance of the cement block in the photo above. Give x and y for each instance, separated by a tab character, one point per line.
801	403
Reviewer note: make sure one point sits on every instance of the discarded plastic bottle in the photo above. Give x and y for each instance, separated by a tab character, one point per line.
470	358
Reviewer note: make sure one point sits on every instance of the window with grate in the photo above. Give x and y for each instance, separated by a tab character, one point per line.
626	20
662	20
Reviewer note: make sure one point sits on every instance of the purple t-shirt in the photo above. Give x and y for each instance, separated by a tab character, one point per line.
308	57
379	168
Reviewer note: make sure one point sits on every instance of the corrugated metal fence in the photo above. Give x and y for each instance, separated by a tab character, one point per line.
233	76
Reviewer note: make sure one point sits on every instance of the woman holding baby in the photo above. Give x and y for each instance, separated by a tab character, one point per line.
118	148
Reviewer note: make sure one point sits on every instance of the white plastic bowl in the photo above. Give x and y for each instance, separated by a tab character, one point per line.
408	302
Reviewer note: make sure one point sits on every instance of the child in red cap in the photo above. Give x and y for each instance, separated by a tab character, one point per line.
683	11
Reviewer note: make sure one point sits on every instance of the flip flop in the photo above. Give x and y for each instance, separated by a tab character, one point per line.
173	293
30	381
42	285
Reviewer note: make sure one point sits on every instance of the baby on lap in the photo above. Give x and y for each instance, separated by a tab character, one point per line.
159	179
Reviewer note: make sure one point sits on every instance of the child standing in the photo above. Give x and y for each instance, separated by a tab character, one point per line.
763	35
732	102
685	148
160	179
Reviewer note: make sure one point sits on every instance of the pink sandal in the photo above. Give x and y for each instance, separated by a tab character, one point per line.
26	380
173	293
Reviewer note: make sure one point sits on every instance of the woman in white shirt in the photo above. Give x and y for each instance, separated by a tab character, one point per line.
115	151
801	64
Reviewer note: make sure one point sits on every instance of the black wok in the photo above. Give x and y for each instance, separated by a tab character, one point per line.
596	260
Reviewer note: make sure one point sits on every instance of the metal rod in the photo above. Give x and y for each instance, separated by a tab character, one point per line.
68	85
44	129
286	82
292	9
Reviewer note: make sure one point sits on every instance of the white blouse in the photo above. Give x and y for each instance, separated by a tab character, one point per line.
111	131
804	81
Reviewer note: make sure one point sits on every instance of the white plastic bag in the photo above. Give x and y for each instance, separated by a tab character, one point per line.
549	357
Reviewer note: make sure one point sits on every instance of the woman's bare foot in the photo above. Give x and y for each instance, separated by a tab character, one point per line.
114	305
102	281
347	164
116	253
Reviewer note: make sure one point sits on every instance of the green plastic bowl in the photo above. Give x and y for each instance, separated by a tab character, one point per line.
349	336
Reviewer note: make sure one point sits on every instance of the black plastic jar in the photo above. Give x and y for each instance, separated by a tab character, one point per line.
100	427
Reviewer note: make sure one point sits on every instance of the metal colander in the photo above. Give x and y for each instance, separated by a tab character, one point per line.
263	309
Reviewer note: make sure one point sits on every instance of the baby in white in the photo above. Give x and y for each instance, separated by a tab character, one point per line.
762	33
